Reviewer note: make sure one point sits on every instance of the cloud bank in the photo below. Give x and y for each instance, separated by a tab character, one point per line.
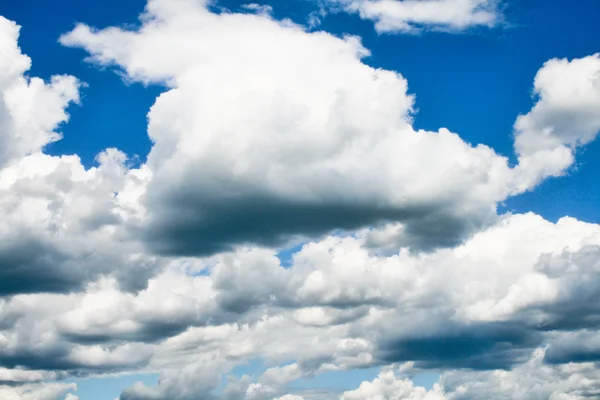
268	136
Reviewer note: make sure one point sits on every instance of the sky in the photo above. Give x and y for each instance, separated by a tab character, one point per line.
309	199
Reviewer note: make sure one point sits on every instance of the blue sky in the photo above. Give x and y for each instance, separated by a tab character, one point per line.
474	82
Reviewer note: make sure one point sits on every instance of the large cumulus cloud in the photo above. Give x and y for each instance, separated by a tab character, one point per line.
268	131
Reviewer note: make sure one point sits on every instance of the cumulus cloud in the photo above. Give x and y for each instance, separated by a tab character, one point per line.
346	306
410	16
564	117
61	225
531	380
483	305
46	391
192	382
566	112
30	109
388	387
267	131
60	220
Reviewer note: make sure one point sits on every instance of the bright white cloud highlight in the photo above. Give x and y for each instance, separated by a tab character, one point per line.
30	109
406	16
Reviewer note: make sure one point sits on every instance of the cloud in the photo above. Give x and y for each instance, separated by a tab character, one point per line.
267	132
62	225
564	117
30	109
387	387
530	380
269	385
259	9
410	16
45	391
193	382
483	305
16	376
476	346
566	112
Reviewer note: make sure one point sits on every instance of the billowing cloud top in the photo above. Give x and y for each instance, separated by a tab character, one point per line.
266	136
268	131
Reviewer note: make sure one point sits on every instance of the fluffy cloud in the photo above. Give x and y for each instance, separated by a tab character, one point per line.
566	113
565	117
48	391
30	109
60	221
61	225
504	292
387	387
193	382
268	131
414	15
487	304
530	380
61	230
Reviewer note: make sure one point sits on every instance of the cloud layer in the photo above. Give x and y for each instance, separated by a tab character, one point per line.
269	136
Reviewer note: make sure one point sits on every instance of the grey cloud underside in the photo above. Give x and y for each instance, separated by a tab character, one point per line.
57	359
579	304
184	226
479	346
149	333
30	266
571	352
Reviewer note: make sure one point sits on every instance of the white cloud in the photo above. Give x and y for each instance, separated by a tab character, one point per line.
24	376
413	15
566	112
290	397
338	306
565	116
268	131
30	109
531	380
258	8
45	391
192	382
388	387
62	225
